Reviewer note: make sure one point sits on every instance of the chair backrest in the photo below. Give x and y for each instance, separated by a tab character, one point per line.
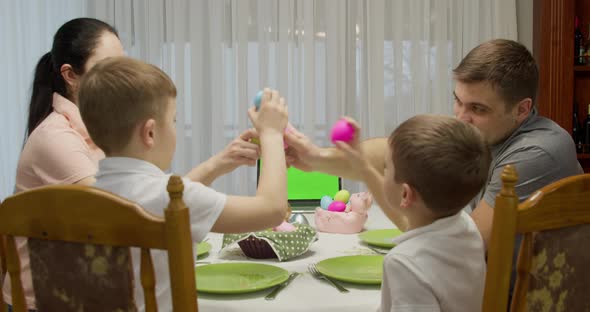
552	272
2	256
79	239
2	270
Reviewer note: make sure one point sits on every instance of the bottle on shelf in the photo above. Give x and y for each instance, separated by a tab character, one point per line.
586	139
576	130
578	43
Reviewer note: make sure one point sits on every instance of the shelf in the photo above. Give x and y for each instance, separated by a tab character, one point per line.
582	68
583	156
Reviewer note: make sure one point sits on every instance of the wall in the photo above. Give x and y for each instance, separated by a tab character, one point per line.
524	20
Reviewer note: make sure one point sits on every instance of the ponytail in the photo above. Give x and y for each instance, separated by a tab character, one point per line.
47	80
73	43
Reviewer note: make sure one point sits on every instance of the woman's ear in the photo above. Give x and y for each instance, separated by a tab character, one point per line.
147	133
71	78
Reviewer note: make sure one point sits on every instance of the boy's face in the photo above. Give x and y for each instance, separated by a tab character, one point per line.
480	105
392	189
166	141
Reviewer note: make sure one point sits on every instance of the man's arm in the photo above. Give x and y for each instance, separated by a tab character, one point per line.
333	161
305	155
483	215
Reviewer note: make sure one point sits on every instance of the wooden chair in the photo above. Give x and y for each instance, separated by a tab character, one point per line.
552	273
79	239
2	270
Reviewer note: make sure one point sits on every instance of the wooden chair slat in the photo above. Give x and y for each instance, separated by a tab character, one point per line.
555	224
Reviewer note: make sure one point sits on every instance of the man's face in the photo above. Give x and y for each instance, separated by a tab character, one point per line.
480	105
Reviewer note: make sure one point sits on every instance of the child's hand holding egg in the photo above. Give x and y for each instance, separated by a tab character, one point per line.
342	131
258	99
257	102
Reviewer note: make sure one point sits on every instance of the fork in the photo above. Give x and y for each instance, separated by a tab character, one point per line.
379	251
317	274
280	287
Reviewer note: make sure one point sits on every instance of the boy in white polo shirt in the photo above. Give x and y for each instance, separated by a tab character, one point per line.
434	166
129	108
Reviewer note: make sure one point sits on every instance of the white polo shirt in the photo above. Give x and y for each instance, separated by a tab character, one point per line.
438	267
144	183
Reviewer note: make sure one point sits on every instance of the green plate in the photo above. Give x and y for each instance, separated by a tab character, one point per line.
238	277
365	269
203	248
381	238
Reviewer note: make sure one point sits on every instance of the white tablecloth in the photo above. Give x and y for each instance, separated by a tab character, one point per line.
305	293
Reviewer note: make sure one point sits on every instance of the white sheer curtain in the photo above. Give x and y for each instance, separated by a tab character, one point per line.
26	33
379	61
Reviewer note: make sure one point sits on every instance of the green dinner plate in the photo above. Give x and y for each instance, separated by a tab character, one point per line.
381	238
203	248
238	277
365	269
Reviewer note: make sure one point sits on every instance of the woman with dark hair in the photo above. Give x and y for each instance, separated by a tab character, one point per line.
58	149
54	120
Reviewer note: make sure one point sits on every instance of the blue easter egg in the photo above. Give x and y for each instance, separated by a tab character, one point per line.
258	99
325	202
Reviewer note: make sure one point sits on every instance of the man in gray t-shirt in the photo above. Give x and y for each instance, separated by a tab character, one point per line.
542	153
495	89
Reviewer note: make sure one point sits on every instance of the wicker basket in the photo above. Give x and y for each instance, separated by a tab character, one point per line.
256	248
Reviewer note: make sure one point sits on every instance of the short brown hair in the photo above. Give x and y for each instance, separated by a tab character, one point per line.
444	159
506	65
117	94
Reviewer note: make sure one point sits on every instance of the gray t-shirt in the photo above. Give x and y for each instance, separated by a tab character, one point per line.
541	151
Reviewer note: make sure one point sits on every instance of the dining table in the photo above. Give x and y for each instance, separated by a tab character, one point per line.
305	292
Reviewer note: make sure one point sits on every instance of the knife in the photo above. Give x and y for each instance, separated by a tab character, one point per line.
278	288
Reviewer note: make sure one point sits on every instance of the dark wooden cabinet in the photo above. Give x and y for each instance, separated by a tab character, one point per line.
562	83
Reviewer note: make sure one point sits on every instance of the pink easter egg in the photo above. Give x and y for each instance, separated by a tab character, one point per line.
337	206
342	131
284	227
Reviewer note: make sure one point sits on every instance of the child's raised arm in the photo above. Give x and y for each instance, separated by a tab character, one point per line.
368	174
269	207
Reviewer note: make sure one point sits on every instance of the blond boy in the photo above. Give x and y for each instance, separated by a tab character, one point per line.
434	166
129	108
